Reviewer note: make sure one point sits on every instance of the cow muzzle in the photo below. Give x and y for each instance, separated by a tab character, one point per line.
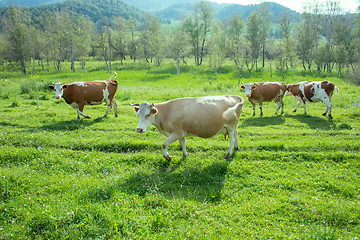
57	97
248	95
140	130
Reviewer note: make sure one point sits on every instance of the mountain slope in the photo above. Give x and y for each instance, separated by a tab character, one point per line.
29	3
96	10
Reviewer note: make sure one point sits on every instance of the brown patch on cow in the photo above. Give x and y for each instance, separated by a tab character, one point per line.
309	91
328	87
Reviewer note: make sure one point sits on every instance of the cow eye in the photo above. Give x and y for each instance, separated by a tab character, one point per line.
148	115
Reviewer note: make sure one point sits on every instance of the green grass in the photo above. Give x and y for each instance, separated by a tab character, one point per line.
295	176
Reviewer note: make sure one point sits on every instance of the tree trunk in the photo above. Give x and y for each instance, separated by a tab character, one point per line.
177	67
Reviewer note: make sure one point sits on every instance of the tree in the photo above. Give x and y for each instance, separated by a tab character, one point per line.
17	37
287	41
121	29
177	46
235	43
198	26
307	38
265	24
217	47
254	37
132	42
151	41
328	22
345	35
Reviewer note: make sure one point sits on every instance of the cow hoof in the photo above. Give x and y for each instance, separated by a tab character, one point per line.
324	114
330	117
88	116
294	111
236	148
168	158
227	156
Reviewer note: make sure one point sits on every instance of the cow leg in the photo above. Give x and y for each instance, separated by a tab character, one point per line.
328	107
183	147
253	104
79	110
261	111
297	104
304	105
236	147
172	138
280	104
107	111
115	107
232	142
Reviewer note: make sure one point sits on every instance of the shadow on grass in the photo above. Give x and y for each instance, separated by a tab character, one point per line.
195	183
263	121
315	122
71	125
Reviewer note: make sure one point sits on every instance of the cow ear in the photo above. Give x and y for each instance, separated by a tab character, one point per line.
243	87
136	108
153	111
51	87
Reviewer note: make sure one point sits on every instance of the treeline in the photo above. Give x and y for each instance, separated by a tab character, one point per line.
324	40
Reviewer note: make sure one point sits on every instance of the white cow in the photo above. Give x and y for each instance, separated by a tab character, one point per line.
204	117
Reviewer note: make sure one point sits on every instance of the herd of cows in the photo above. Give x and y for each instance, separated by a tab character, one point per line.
203	117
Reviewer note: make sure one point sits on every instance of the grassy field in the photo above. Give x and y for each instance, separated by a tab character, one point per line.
295	176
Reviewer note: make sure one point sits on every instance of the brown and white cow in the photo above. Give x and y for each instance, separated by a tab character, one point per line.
79	94
313	92
203	117
265	92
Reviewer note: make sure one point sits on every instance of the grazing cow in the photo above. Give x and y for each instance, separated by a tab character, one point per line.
79	94
265	92
313	92
203	117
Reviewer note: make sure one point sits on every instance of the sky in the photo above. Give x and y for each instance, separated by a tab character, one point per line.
298	5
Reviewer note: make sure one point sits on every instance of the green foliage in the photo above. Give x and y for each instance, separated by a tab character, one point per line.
295	176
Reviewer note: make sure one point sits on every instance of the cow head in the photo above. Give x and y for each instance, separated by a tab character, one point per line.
59	89
146	113
248	88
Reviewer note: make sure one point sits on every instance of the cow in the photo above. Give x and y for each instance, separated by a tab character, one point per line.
265	92
79	94
203	117
313	92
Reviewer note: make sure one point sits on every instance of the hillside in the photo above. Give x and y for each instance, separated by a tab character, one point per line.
223	11
155	5
96	10
6	3
245	10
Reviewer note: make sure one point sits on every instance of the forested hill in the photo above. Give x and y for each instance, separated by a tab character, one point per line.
225	11
97	10
30	3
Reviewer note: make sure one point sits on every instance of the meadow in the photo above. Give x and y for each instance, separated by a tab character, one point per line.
295	176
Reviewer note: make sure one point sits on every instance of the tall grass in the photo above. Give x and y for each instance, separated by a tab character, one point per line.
295	176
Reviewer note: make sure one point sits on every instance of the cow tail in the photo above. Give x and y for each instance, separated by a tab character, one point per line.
113	82
337	90
241	102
